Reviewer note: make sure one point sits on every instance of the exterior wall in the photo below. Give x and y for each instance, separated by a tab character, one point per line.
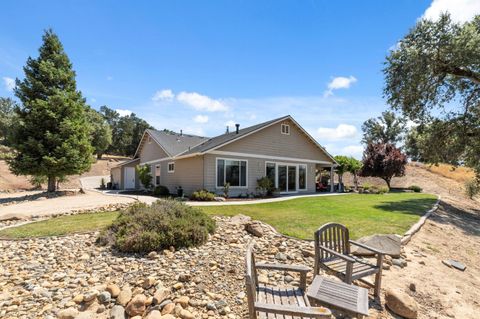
270	141
116	176
150	151
188	174
255	170
121	174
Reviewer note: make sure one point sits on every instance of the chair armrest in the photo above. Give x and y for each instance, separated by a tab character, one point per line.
295	268
337	254
367	247
311	312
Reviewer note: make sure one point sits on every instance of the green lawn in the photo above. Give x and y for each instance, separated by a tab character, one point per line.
364	215
62	225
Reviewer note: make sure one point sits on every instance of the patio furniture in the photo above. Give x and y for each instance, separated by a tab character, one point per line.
347	299
273	302
332	253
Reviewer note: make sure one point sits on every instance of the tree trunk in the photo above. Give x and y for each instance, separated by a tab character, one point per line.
387	180
340	183
355	181
52	184
99	155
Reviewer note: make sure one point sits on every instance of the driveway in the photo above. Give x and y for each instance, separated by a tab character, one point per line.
63	204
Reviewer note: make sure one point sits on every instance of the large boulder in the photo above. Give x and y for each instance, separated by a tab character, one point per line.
401	304
389	244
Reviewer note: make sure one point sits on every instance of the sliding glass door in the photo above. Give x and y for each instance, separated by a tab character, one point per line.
287	178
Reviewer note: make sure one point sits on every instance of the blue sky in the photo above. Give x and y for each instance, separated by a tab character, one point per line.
202	65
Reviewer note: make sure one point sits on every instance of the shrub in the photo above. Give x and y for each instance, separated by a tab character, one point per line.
142	228
366	186
415	188
144	175
202	195
265	186
226	189
37	181
161	190
472	188
383	189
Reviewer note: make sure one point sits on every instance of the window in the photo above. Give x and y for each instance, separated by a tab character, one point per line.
286	129
171	167
157	175
302	177
270	172
233	172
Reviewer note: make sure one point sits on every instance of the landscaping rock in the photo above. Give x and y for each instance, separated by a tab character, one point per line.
124	296
114	290
389	244
69	313
104	297
401	304
254	228
117	312
136	306
155	314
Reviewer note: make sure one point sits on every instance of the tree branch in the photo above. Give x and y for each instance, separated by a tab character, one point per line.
464	73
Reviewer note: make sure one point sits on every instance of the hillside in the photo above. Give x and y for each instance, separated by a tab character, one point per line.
10	182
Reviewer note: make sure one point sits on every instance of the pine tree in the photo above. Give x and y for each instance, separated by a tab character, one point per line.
52	138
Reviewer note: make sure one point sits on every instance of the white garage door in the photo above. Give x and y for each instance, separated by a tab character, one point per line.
129	178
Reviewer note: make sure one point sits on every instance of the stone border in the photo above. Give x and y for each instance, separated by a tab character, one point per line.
418	225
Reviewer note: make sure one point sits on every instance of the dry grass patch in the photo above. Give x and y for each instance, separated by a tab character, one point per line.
459	174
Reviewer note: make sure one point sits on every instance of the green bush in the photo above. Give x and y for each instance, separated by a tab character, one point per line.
161	190
203	195
366	186
415	188
472	188
144	176
142	228
265	186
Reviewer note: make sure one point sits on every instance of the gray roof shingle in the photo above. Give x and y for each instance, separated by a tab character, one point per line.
175	143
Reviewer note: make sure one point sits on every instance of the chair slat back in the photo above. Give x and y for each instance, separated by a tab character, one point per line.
251	280
333	236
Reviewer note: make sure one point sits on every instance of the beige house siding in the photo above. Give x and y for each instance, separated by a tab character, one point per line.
271	142
255	170
118	175
188	174
150	151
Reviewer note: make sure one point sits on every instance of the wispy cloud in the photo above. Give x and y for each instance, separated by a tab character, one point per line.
200	119
339	82
163	95
460	10
124	112
9	83
342	131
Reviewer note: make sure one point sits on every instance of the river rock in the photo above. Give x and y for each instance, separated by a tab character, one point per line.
124	296
69	313
255	228
136	306
114	290
401	304
117	312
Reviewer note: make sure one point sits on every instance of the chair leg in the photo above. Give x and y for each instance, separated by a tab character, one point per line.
378	277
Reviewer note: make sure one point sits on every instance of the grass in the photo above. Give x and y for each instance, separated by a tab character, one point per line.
460	174
363	214
61	225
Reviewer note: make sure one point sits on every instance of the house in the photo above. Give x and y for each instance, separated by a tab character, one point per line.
280	149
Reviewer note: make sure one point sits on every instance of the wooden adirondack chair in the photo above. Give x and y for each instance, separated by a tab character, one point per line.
271	302
332	253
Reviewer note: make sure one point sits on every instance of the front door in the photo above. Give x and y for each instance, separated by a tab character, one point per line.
287	178
129	180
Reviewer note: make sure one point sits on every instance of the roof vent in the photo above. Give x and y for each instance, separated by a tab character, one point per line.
227	131
181	132
237	128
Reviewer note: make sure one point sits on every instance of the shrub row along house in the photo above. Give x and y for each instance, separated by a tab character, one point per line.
279	149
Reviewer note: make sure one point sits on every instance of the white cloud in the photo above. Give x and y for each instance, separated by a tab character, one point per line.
352	150
460	10
123	112
200	119
340	82
230	123
201	102
163	95
342	131
93	100
9	83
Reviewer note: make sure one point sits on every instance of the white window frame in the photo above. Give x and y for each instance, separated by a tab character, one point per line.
224	172
285	129
297	182
168	167
159	174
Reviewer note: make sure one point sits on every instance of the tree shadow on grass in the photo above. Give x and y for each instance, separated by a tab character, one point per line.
414	206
